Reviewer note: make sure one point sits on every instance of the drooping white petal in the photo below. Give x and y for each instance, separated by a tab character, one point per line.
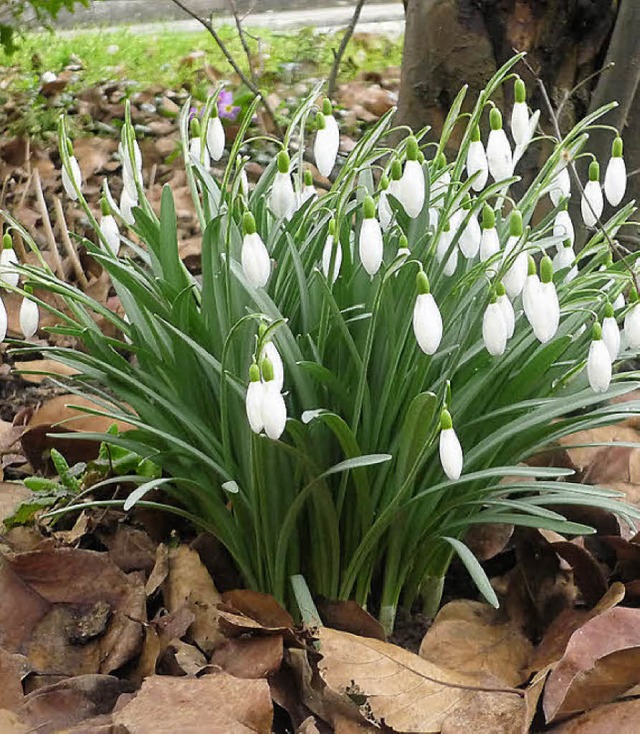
308	192
199	154
547	313
325	148
29	317
618	302
489	243
477	163
615	180
565	258
283	198
256	264
127	202
9	276
385	212
273	411
412	188
494	330
563	228
427	323
632	327
68	180
253	405
269	350
450	454
499	156
592	196
522	146
560	186
370	245
244	183
434	218
3	321
599	366
109	229
515	277
470	238
530	293
326	258
611	336
519	122
444	243
439	189
215	138
507	313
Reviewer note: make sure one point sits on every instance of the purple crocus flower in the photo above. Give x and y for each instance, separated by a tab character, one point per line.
226	108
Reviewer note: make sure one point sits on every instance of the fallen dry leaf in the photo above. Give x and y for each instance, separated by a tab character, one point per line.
621	717
349	616
13	668
249	657
12	494
44	368
222	703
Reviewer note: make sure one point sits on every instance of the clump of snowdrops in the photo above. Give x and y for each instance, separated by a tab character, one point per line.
343	391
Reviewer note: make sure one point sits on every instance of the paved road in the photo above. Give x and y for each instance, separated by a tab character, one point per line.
385	18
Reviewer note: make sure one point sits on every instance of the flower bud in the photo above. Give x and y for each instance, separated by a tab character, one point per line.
450	448
615	178
598	362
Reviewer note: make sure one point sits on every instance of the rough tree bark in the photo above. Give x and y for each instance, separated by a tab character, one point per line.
450	42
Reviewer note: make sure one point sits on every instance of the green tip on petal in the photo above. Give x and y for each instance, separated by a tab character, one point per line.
546	269
594	171
420	158
493	296
422	283
403	242
633	295
531	265
520	91
308	178
320	123
564	206
446	227
283	162
69	147
488	217
441	160
445	420
369	208
412	149
254	373
248	223
262	329
515	224
608	310
616	147
195	128
396	170
7	242
327	107
475	134
332	227
267	369
567	243
384	182
495	119
596	332
500	289
28	290
104	207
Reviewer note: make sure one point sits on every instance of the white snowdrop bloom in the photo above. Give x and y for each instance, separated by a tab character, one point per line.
477	161
271	353
441	184
370	244
308	189
331	249
4	321
253	399
470	237
29	317
273	409
592	203
127	202
632	326
520	114
615	178
129	168
434	218
444	244
327	142
283	198
499	156
546	318
489	241
215	136
412	188
9	276
598	362
515	277
244	183
560	186
427	321
109	228
494	329
507	309
69	178
563	227
611	332
530	290
521	148
450	448
384	208
394	184
256	263
198	153
618	302
565	258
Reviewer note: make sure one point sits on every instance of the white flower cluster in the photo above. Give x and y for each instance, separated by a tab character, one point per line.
9	278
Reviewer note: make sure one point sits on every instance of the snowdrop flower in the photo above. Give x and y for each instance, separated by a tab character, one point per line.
109	228
308	189
244	182
403	249
477	161
546	315
333	250
530	290
618	302
499	157
615	178
273	410
4	321
427	321
197	151
471	235
127	202
370	244
565	258
130	168
271	353
253	399
611	332
384	208
489	241
327	142
515	277
632	323
256	264
412	187
283	198
72	177
29	315
450	449
396	176
215	135
563	226
592	203
444	244
598	362
434	218
520	114
9	276
494	328
502	299
441	183
560	186
521	148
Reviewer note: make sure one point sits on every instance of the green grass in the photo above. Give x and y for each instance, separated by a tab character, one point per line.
157	60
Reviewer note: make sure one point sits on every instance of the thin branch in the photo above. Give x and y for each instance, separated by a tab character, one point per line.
243	40
229	56
586	80
46	223
333	78
71	250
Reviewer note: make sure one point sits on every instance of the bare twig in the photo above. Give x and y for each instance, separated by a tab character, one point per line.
243	40
71	250
333	78
567	95
229	56
46	223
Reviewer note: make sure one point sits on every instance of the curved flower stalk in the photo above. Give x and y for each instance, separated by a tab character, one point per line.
615	177
256	264
411	187
370	245
427	321
611	332
516	275
29	314
215	135
598	361
477	161
283	198
109	227
494	327
450	449
499	156
331	255
592	203
566	258
327	142
9	276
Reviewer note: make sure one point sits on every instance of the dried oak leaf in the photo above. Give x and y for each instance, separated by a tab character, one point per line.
472	637
216	703
602	661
